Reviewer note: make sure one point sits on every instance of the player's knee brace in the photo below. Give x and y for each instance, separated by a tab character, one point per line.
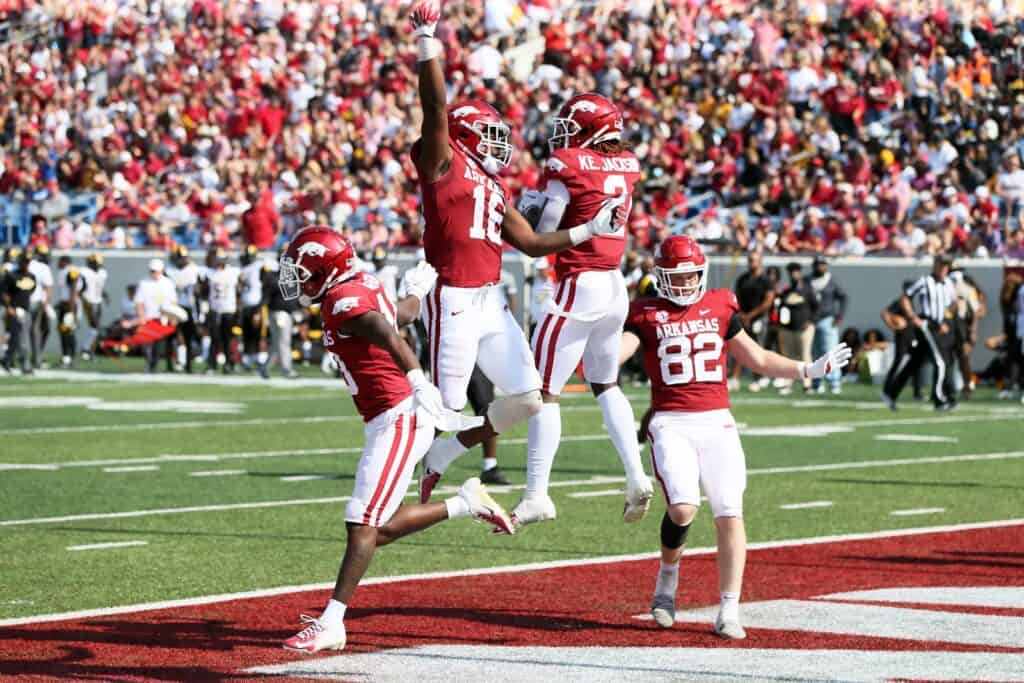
672	535
506	411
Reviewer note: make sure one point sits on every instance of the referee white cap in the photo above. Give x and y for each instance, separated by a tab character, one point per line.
157	265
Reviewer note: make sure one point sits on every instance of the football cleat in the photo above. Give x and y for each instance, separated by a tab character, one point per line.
889	401
663	609
484	508
638	500
316	636
428	480
530	510
494	476
730	629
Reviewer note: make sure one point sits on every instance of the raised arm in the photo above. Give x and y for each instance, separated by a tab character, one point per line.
434	154
750	354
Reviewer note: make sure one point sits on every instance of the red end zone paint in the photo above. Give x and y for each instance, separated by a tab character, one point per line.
575	606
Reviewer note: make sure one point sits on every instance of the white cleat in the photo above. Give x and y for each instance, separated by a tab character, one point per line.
731	629
531	510
484	508
638	500
663	609
316	636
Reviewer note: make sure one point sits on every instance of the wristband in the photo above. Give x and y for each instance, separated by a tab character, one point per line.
581	233
416	377
429	48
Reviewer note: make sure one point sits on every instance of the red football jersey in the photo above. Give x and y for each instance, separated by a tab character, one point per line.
375	381
684	349
463	211
591	177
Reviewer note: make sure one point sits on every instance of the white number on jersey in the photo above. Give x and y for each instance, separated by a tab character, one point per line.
684	360
614	185
493	203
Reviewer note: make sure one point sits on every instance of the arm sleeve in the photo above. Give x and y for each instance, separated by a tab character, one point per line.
735	326
915	288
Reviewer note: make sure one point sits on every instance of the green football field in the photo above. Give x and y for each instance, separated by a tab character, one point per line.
220	488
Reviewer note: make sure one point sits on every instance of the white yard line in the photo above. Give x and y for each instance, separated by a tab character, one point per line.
917	511
575	482
307	477
484	571
195	380
134	468
215	473
596	494
185	424
107	546
917	438
804	506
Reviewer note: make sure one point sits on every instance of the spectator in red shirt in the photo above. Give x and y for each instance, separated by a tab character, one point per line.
261	224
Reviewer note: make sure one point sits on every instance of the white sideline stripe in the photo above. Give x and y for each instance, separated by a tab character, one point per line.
217	380
245	455
506	569
575	482
596	494
136	468
917	438
272	503
173	511
107	546
306	477
803	506
26	466
188	424
215	473
917	511
994	416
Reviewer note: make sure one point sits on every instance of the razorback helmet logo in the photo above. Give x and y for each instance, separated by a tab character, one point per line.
584	121
464	111
316	259
312	249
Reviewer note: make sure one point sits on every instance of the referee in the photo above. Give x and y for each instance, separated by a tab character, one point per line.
927	305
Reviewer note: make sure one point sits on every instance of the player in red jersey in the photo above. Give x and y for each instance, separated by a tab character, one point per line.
686	334
462	149
400	407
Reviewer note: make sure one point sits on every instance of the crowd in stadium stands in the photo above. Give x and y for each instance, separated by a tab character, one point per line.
849	129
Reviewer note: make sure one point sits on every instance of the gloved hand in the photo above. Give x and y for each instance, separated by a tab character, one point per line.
424	17
607	221
838	357
418	281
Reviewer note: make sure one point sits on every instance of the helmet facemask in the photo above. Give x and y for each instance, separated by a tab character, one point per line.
678	286
563	129
291	276
495	147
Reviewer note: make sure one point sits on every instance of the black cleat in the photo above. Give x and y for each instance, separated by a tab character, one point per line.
494	476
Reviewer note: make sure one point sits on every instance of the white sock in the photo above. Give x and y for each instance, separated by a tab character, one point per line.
668	579
262	357
443	452
334	613
618	419
457	507
730	606
182	354
490	463
205	344
545	431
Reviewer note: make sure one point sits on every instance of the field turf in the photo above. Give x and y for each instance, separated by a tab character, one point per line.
97	461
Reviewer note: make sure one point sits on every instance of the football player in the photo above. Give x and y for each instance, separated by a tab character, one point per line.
223	282
186	276
400	406
584	319
69	289
42	311
686	333
94	294
254	327
462	149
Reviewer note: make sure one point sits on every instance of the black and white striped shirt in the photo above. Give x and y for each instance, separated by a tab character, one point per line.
931	298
